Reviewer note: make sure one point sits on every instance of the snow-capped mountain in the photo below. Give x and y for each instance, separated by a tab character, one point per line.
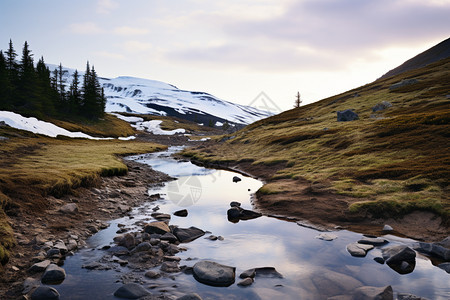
144	96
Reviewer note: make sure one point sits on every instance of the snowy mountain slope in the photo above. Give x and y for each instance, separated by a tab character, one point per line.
144	96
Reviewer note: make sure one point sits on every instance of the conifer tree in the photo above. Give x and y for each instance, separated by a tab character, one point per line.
45	92
75	100
5	84
26	93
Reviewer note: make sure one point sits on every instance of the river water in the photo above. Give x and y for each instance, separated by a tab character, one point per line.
312	268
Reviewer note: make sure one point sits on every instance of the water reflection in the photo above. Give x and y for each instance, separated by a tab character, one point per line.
311	268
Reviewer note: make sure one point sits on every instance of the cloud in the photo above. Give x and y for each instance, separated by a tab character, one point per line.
106	6
86	28
319	34
126	30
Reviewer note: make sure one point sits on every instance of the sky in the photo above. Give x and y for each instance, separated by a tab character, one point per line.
236	50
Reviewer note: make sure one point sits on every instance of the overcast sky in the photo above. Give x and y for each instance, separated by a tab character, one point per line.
233	49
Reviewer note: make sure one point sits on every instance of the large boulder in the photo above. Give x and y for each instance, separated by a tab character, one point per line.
433	249
131	291
70	209
186	235
401	258
215	274
40	266
53	275
347	115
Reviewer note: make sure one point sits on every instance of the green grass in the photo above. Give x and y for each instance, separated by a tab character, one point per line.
397	159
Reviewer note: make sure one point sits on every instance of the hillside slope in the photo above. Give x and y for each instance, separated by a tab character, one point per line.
434	54
387	164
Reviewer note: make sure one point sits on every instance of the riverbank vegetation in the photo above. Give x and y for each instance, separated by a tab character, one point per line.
35	166
388	163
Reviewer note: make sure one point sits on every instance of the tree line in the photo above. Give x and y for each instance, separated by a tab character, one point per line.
36	91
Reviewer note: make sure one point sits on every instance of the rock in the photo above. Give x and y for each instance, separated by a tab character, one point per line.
248	273
333	283
192	296
70	209
397	254
347	115
374	293
181	213
169	237
120	261
235	204
61	246
144	246
326	236
161	216
215	274
358	250
172	258
381	106
128	241
152	275
45	293
131	291
246	282
246	214
185	235
234	212
53	253
212	237
39	267
445	267
401	259
236	179
387	228
170	267
157	227
379	260
29	284
373	241
53	274
433	249
404	82
72	245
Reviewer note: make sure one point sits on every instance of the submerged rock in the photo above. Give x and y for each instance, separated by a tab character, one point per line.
215	274
326	237
192	296
373	241
246	282
131	291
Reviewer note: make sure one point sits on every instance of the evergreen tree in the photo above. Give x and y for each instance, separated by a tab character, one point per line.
45	91
11	59
26	91
93	96
61	84
298	101
5	85
75	100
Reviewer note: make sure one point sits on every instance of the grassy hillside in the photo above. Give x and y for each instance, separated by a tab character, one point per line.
33	166
387	163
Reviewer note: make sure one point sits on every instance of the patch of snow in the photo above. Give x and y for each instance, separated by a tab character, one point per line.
128	138
218	124
153	126
128	119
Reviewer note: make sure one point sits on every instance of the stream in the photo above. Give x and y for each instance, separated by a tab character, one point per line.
311	268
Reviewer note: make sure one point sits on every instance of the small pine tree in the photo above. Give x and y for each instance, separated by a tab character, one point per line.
5	85
298	101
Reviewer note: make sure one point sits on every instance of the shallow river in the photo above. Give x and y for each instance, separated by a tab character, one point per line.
312	268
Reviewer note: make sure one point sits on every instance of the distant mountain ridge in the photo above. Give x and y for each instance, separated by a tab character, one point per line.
435	53
145	96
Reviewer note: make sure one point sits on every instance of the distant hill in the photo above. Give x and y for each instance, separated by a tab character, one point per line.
436	53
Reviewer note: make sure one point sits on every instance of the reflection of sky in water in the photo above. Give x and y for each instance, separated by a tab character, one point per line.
312	268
